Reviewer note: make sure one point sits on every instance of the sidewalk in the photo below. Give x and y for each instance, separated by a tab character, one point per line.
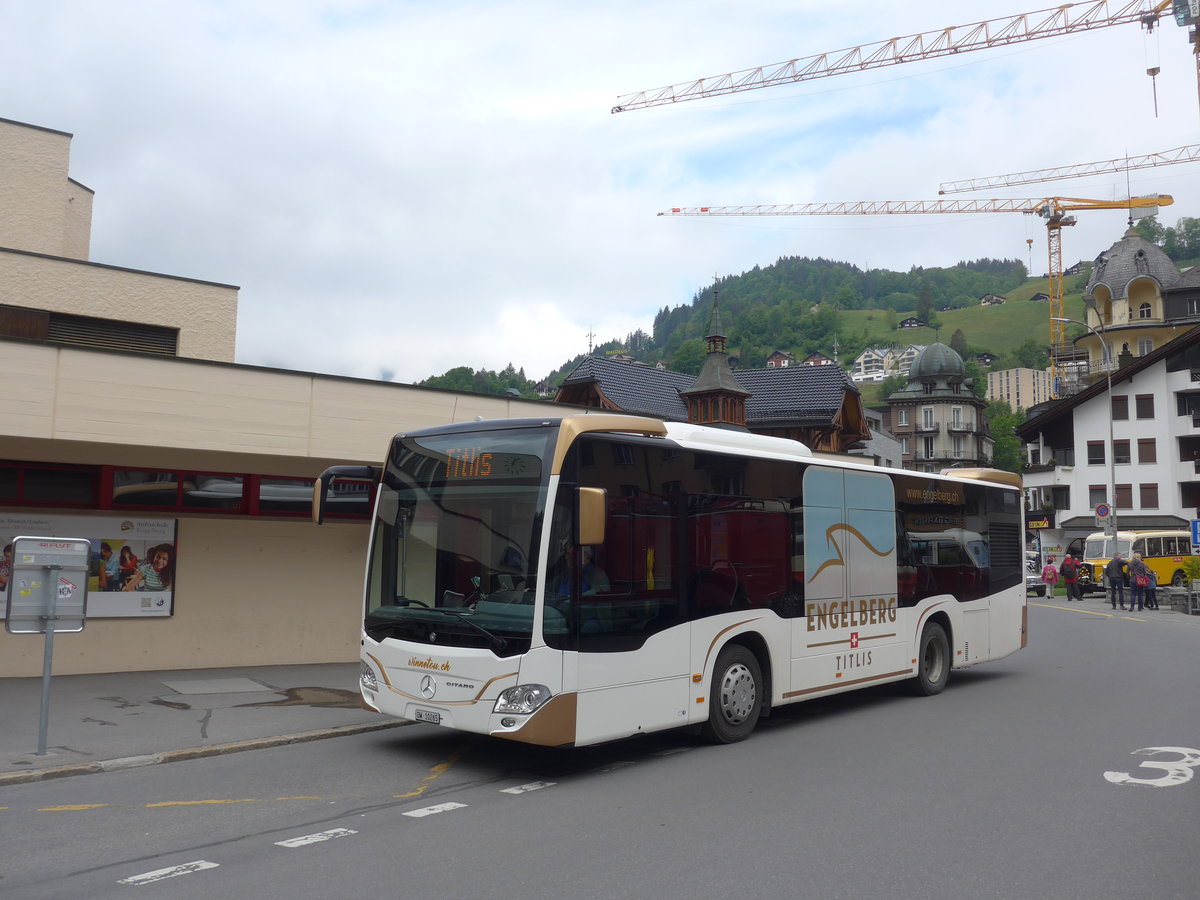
103	722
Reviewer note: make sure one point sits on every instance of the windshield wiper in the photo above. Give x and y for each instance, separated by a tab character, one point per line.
495	640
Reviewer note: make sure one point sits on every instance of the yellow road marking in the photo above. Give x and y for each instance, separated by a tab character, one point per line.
72	808
434	773
223	802
1088	612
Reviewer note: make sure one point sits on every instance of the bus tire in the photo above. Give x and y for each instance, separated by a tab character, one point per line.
933	661
735	698
1179	579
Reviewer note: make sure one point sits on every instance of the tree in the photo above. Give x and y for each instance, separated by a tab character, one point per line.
1009	453
689	358
958	343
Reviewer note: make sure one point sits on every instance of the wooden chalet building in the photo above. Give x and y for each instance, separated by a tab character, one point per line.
816	405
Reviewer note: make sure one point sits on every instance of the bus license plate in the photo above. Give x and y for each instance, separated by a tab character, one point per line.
428	715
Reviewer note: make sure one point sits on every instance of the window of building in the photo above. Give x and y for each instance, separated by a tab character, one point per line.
927	417
1145	346
902	418
1120	408
1147	450
958	446
1124	496
929	449
1193	306
904	446
48	485
1095	453
1148	495
1121	452
1097	494
1144	311
1060	496
1145	406
163	490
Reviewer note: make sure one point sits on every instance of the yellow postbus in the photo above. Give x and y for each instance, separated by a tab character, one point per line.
1163	551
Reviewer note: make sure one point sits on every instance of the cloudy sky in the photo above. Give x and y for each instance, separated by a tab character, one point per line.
401	186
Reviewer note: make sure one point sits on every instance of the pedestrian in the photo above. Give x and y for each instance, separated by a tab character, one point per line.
1049	576
1139	578
1069	570
1151	592
1115	573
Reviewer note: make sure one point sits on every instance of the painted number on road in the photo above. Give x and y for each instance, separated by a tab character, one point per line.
1175	771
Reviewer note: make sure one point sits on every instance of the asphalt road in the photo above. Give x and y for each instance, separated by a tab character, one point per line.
1017	782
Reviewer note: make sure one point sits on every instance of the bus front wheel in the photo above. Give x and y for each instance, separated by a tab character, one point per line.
735	699
933	661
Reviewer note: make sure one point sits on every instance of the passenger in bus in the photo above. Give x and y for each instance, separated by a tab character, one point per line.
1139	577
1115	573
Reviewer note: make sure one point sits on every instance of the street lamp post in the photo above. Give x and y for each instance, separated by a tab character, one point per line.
1112	447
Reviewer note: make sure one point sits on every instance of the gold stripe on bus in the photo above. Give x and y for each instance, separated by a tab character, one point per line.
828	687
395	690
867	637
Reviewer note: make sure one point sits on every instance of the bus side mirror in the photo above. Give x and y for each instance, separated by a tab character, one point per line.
328	477
592	504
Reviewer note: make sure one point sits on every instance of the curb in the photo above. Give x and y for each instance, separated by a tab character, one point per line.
167	756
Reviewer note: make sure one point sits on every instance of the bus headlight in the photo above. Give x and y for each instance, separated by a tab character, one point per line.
524	698
367	678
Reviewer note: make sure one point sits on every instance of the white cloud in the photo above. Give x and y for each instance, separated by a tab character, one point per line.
415	186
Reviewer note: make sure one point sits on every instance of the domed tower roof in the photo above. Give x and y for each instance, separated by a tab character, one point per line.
1130	258
937	361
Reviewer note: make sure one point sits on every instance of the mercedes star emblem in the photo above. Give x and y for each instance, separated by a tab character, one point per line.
428	687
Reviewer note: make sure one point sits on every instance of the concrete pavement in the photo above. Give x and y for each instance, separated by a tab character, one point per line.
99	723
118	720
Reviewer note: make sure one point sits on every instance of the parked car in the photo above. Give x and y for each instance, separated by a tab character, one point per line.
1033	574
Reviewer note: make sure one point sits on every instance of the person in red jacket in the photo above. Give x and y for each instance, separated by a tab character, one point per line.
1069	570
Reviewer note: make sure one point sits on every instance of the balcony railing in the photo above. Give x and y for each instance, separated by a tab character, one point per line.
963	427
928	428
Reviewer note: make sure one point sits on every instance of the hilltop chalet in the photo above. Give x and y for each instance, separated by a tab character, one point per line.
817	405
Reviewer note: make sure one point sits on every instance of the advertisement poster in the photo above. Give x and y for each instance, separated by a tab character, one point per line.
131	569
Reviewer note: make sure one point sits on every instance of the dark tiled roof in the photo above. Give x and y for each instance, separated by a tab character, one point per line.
796	394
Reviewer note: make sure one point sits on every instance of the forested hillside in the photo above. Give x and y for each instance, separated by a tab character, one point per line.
801	305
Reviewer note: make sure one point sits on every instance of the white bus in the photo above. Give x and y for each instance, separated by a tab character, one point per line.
568	581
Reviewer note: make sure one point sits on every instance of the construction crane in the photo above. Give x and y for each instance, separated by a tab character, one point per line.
1067	19
1188	153
1053	210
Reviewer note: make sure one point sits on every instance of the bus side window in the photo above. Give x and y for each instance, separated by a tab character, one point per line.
1153	547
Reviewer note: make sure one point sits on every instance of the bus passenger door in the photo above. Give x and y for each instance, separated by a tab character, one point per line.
632	638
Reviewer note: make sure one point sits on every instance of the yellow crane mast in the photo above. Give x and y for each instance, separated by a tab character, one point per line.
1053	210
1069	18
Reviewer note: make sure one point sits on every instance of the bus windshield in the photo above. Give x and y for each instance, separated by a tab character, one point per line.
1102	547
454	548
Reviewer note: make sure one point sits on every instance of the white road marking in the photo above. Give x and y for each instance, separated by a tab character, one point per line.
160	874
315	838
434	810
526	788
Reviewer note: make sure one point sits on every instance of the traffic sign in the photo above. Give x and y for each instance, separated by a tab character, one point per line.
1102	510
1195	532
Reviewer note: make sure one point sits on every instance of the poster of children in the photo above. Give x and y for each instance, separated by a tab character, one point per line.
132	568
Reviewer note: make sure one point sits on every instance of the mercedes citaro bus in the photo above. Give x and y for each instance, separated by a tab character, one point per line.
566	581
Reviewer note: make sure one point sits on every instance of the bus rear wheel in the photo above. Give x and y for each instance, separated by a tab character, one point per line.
735	698
933	661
